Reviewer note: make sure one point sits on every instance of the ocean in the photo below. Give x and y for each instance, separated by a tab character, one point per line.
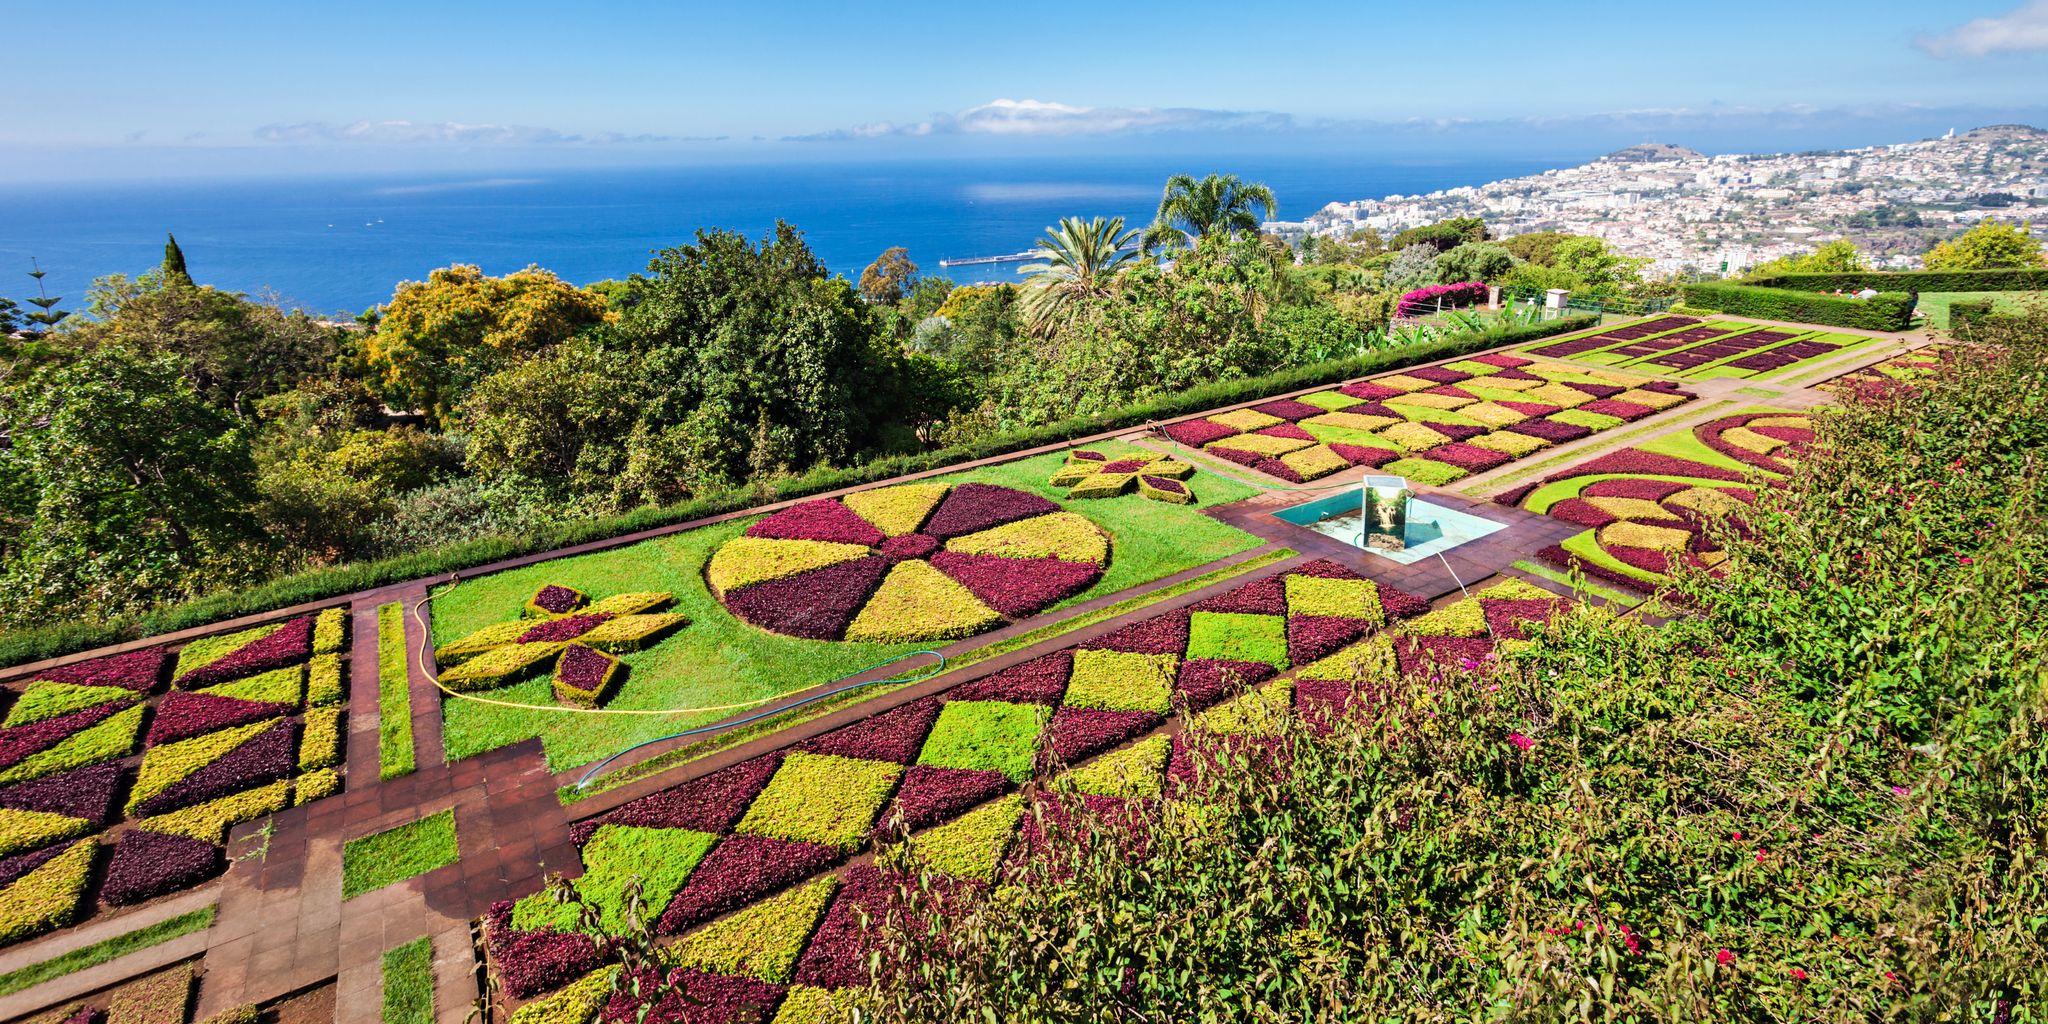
340	245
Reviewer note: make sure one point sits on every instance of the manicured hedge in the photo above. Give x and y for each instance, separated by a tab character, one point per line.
1889	311
2014	280
49	641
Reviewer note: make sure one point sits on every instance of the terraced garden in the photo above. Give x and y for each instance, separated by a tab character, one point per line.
1694	349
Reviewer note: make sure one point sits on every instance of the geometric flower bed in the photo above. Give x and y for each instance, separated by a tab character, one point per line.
252	721
1645	509
1431	424
1892	374
560	626
1091	474
1686	347
910	563
745	867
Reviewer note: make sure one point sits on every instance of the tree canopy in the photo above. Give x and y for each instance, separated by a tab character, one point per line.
1990	245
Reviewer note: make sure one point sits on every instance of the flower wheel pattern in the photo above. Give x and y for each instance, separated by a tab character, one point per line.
911	563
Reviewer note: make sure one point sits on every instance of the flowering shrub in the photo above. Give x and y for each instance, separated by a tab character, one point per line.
1440	296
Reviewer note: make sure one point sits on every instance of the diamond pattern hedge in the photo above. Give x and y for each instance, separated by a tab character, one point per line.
1431	424
1645	509
228	728
767	920
910	563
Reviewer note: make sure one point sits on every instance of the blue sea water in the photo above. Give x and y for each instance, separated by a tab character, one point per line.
339	245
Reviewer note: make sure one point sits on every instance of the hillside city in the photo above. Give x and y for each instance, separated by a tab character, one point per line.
1687	211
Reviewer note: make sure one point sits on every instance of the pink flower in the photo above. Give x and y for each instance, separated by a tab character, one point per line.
1900	791
1760	855
1966	560
1628	938
1724	958
1798	975
1520	740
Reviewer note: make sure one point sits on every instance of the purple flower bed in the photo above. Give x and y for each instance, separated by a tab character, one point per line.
86	792
1597	390
738	871
1581	513
837	956
530	963
1634	461
1017	587
555	599
185	715
1551	430
1166	484
149	864
1077	733
1618	409
824	519
1123	466
1440	296
695	997
1039	681
1368	391
814	605
1468	457
1203	682
1458	431
1633	487
1196	433
971	507
1310	637
1375	409
584	674
1509	619
890	736
267	757
1087	455
909	546
1160	634
1259	597
12	868
19	742
568	627
712	803
930	794
140	671
1530	408
1289	431
1275	467
1289	409
1359	455
291	644
1400	604
1440	374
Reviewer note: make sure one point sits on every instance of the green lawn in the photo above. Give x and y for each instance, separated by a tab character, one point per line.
394	694
719	660
1936	304
106	950
409	983
394	855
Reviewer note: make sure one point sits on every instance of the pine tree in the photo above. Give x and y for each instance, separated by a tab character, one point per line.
46	315
174	262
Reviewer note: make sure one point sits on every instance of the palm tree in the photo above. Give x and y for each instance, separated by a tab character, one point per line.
1219	204
1080	257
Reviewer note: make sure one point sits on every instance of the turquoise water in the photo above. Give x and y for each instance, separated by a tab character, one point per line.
340	245
1431	528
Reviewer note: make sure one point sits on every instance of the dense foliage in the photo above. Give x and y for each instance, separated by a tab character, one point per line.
1816	795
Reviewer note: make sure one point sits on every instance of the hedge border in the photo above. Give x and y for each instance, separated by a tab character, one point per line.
1889	312
2024	279
59	639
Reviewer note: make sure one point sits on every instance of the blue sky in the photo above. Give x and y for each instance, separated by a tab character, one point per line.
215	88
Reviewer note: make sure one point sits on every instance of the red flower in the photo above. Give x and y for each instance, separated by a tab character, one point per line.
1798	975
1521	741
1724	958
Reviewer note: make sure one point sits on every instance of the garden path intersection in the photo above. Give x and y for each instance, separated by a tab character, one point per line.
1080	595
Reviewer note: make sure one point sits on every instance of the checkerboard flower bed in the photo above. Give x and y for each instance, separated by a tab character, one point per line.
1434	424
936	562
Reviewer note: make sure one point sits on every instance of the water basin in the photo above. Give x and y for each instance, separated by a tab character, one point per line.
1432	528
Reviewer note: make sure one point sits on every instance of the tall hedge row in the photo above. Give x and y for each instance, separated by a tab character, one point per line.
1921	281
51	640
1887	311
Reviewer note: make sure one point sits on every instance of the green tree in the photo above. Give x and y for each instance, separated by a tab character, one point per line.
1081	260
1595	264
1837	257
1413	267
1218	204
1443	235
47	316
889	277
130	486
173	270
1990	245
440	336
558	421
1474	261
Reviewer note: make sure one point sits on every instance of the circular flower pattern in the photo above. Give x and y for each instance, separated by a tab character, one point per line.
910	563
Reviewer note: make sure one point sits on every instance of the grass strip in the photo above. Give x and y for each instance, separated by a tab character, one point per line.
409	983
106	950
682	755
394	855
394	695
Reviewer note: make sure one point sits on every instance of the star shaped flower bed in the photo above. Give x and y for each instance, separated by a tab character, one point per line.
1093	474
1431	424
904	564
766	924
560	627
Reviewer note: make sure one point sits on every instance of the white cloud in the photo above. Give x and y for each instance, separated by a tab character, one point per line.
1008	117
407	133
2024	29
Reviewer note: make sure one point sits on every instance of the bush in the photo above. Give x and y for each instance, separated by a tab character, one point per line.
1889	311
1921	281
55	639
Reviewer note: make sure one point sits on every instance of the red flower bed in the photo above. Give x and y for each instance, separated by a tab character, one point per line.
530	963
824	519
12	868
1558	556
1508	619
738	871
1368	391
185	715
148	864
1310	637
568	627
1266	596
1039	681
694	997
1166	484
86	792
1203	682
1419	653
556	599
1077	733
1618	409
838	955
815	605
20	741
1440	374
291	644
1633	487
1551	430
1196	433
1359	455
1531	408
1277	468
1579	512
1289	431
1017	587
1123	466
712	803
1634	461
930	794
909	546
1289	409
1160	634
971	507
1502	359
890	736
1458	431
1467	457
140	671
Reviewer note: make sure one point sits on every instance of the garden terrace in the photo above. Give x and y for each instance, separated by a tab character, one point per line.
1693	349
